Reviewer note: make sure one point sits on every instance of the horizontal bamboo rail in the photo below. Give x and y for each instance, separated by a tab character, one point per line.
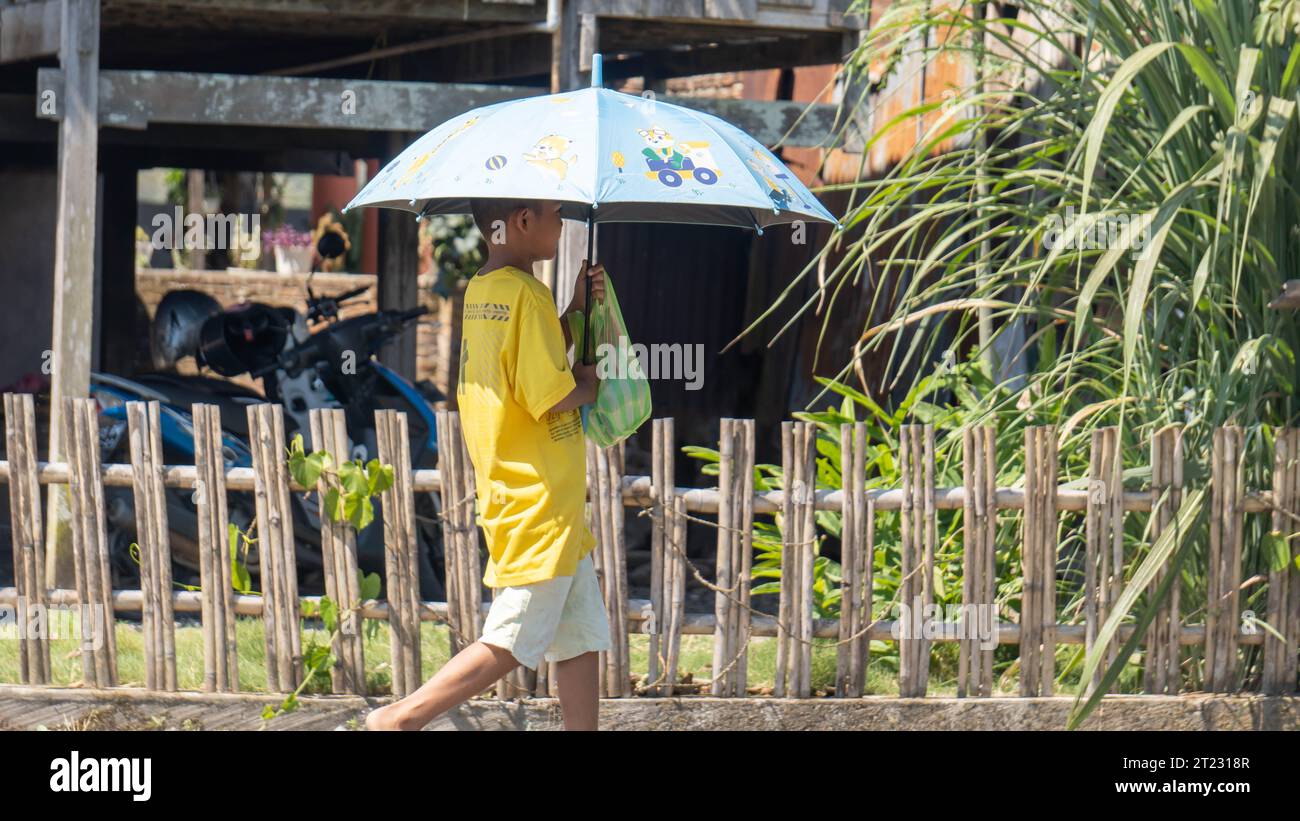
694	624
636	491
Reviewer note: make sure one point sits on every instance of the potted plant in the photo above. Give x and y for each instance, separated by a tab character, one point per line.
293	249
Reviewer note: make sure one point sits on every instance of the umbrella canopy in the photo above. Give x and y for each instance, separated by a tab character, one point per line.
608	156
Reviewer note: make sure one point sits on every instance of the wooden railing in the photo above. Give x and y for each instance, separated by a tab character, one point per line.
731	509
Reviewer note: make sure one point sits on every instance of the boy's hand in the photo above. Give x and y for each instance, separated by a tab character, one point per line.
597	274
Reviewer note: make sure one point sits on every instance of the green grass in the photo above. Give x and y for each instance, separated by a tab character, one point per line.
695	663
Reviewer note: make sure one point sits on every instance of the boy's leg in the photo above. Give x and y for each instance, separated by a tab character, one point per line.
519	625
582	633
465	675
577	680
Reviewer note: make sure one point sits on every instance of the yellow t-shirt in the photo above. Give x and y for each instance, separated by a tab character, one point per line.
529	464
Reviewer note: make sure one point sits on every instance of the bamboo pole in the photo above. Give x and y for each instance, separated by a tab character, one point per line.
157	619
598	486
1279	673
1031	552
916	454
90	541
849	668
1048	561
469	535
658	522
789	538
1225	561
275	547
401	548
339	560
27	536
979	528
1161	671
451	555
1097	525
594	517
618	610
799	655
212	538
745	547
676	565
724	578
989	579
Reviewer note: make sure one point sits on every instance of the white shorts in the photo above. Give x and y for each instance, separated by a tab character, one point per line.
553	620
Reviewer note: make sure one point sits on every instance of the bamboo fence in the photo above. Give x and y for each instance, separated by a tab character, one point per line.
733	506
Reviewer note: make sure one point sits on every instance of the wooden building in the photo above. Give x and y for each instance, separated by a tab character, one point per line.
91	91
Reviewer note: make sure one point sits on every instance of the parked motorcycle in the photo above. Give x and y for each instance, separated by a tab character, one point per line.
331	366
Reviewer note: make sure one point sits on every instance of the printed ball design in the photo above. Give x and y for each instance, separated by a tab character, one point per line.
495	163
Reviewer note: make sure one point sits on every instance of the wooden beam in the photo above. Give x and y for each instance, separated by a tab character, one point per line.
136	99
74	249
29	30
768	52
395	12
399	260
827	15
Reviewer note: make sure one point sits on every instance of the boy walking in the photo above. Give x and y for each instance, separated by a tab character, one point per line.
519	400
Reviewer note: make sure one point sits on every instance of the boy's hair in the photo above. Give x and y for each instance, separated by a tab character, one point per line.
488	211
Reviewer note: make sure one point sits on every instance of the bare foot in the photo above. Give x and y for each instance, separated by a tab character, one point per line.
383	718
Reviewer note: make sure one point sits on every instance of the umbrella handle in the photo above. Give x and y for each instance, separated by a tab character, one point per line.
587	358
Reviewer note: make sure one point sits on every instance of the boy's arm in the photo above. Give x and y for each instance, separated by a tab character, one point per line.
584	393
568	333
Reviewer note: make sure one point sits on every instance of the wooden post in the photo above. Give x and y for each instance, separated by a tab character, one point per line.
724	577
745	546
90	543
1038	612
157	617
1104	530
74	251
27	538
855	564
1224	572
1279	675
675	572
1162	672
979	519
399	260
785	627
734	557
798	534
618	574
807	453
667	561
338	544
275	547
401	556
604	487
918	525
220	646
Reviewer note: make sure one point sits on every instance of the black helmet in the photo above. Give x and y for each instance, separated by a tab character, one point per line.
246	338
174	333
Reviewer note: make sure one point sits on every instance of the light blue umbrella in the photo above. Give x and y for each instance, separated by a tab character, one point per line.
608	156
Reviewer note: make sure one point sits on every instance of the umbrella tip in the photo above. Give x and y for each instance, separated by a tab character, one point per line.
597	71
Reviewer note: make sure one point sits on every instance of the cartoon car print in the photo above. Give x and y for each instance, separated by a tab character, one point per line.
671	162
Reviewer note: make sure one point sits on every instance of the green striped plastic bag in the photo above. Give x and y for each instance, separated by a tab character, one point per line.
623	398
